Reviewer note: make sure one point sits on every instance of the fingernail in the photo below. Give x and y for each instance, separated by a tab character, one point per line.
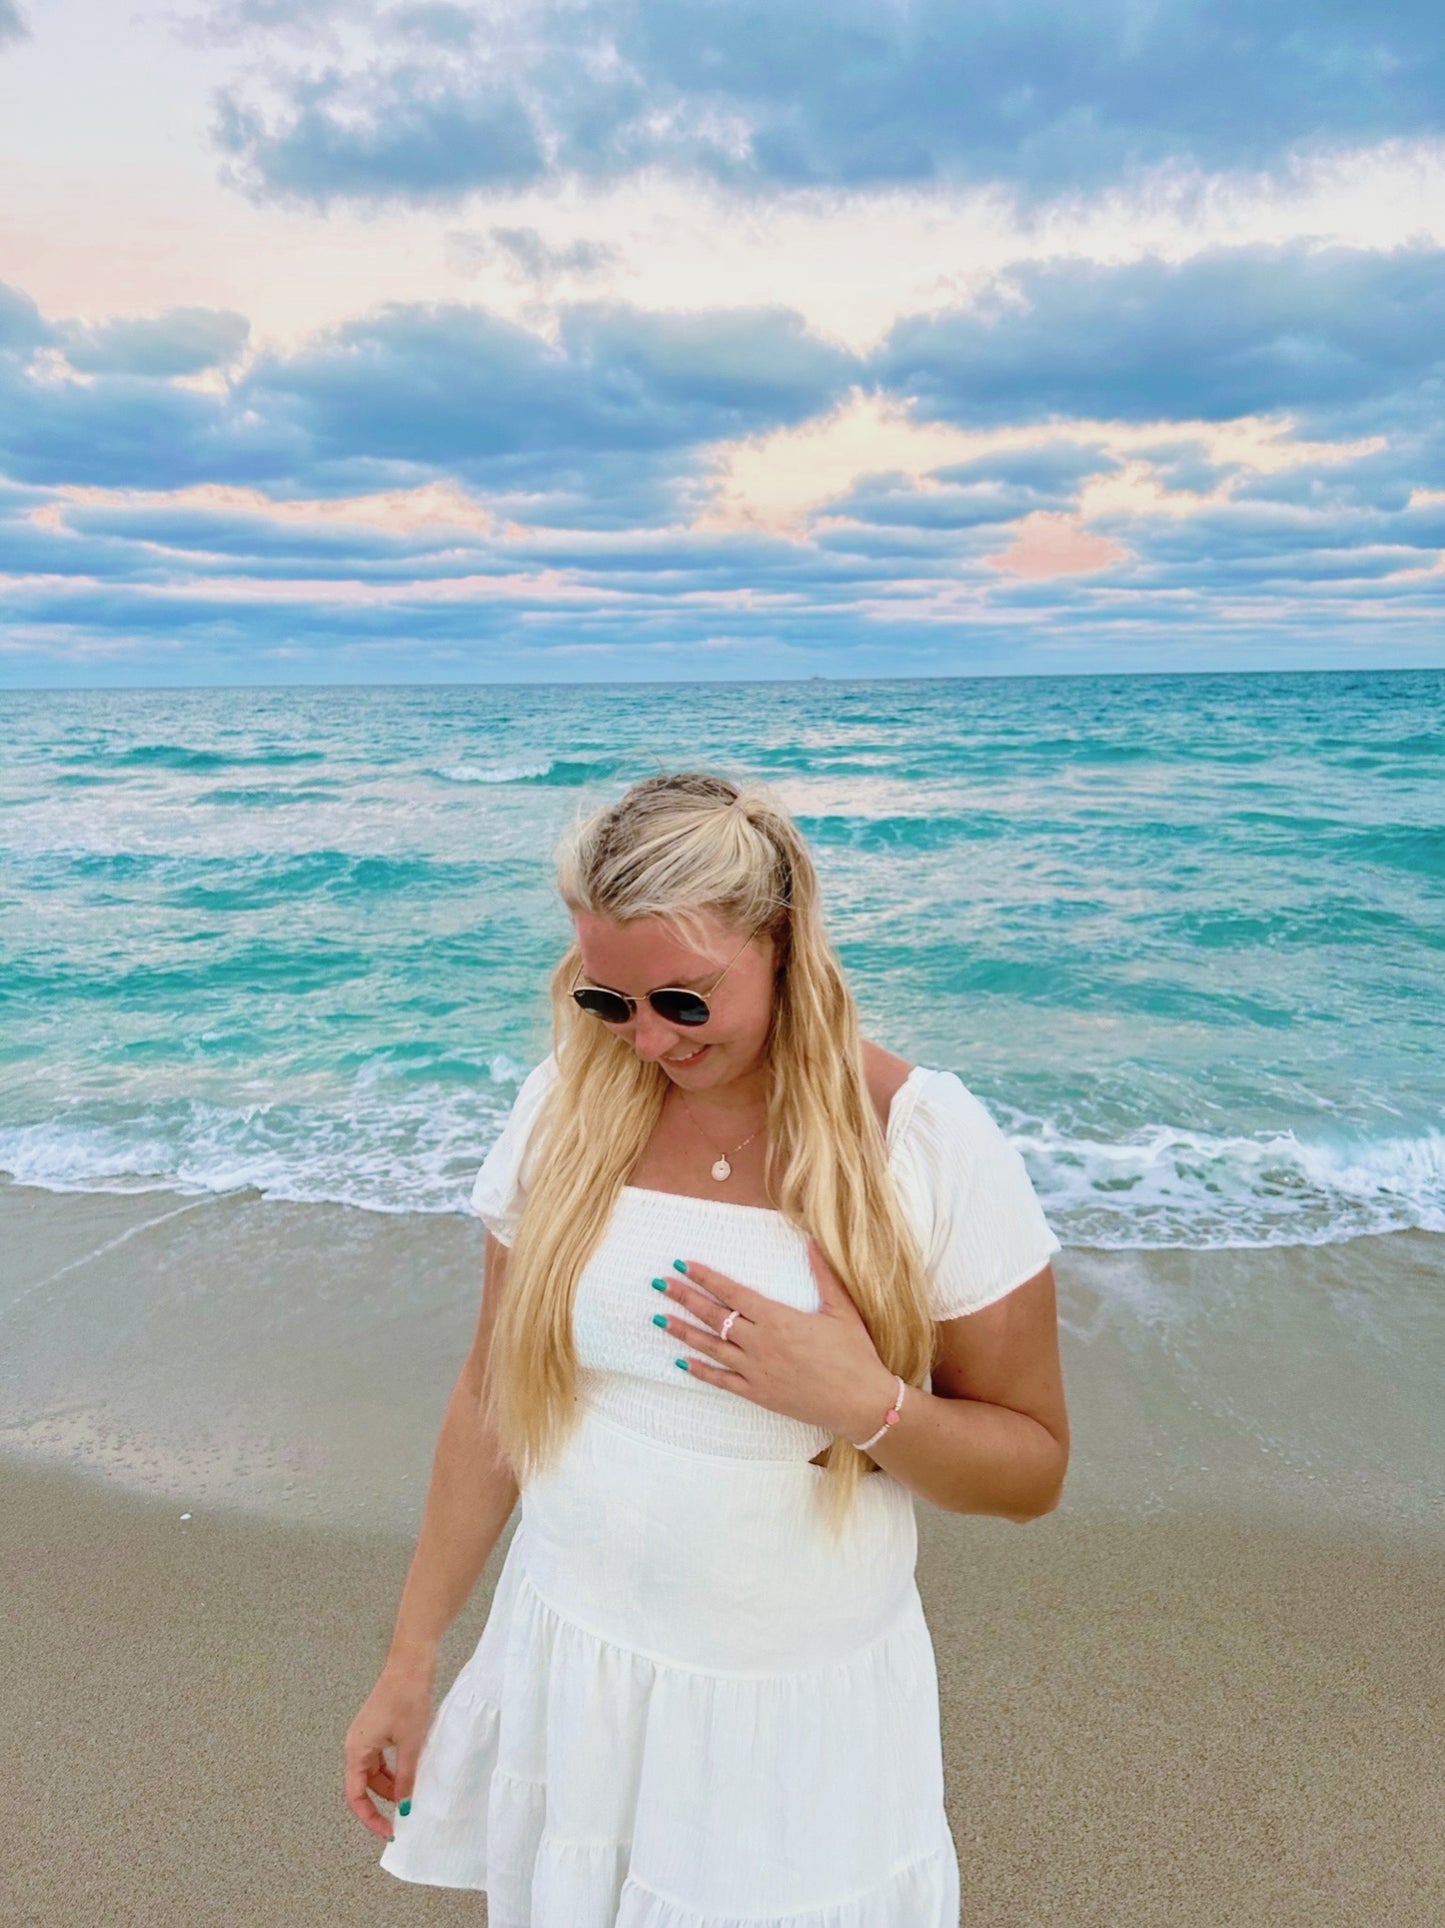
405	1807
659	1318
679	1265
659	1285
681	1362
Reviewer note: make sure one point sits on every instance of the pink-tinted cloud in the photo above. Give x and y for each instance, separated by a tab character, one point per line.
1050	543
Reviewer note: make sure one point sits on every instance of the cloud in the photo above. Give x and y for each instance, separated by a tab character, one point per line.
531	255
1042	467
1005	483
21	327
784	94
1047	544
12	23
1232	333
231	22
612	414
440	24
402	133
186	341
452	386
900	501
128	429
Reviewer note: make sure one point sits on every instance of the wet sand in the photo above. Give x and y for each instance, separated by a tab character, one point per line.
1205	1691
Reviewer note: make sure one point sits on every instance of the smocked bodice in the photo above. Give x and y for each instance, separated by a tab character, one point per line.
959	1182
626	1362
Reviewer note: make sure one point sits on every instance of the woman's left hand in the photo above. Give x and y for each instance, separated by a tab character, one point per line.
819	1367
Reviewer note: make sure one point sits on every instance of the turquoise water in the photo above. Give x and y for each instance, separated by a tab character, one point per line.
1184	935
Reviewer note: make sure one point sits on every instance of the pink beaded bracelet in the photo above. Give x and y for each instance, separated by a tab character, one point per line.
890	1418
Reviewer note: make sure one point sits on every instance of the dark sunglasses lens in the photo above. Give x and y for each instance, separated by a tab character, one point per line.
680	1007
603	1004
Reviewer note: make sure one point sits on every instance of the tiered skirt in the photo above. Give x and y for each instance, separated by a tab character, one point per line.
691	1708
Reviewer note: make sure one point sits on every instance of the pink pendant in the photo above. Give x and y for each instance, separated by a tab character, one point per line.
721	1170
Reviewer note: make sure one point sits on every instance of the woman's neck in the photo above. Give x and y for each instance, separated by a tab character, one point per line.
743	1097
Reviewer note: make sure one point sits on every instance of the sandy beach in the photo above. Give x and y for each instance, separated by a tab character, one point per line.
1203	1692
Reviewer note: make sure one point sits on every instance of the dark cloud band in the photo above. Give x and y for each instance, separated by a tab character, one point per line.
1044	95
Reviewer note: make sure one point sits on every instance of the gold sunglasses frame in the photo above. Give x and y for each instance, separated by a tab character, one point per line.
632	1002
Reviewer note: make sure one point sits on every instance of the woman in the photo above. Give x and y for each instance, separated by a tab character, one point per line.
729	1242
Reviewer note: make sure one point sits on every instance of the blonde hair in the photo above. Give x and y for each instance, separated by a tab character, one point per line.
676	847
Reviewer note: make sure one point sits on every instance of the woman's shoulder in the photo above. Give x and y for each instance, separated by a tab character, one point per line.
939	1120
969	1192
886	1074
497	1189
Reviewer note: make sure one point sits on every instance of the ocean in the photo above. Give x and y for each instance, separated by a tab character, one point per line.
1184	935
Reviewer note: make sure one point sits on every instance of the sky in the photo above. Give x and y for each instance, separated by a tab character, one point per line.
352	341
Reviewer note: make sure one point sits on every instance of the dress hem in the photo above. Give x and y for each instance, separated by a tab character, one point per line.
642	1906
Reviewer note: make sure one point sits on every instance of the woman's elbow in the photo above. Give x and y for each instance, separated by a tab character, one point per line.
1049	1499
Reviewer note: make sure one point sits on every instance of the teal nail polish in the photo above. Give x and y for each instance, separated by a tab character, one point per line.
681	1362
405	1807
679	1265
659	1285
659	1318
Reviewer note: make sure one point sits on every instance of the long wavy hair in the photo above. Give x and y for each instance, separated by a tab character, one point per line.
677	847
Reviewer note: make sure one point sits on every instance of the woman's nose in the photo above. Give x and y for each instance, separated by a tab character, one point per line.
651	1036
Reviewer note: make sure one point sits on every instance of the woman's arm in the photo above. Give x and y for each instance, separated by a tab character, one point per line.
468	1503
993	1435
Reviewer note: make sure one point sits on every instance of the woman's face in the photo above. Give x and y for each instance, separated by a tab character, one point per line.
643	956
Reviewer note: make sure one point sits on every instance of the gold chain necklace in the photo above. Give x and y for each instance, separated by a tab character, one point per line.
721	1169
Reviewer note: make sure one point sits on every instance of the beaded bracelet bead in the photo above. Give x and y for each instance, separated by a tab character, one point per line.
890	1418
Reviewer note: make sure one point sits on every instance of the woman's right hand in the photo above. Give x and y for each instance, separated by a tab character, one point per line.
396	1713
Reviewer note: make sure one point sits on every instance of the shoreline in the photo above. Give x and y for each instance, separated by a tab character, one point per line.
294	1361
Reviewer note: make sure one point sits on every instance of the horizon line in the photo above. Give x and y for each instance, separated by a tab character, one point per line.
732	682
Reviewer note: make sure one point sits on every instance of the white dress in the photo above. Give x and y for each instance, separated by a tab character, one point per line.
689	1708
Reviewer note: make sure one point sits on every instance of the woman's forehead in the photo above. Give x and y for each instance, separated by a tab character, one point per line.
650	950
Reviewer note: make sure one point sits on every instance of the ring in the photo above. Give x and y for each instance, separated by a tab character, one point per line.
727	1325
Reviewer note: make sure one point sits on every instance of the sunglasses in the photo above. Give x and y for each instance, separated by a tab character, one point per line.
673	1005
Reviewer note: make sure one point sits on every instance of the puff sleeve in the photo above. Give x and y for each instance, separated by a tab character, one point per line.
500	1185
973	1203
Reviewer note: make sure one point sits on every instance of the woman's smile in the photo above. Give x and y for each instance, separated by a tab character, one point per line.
692	1057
